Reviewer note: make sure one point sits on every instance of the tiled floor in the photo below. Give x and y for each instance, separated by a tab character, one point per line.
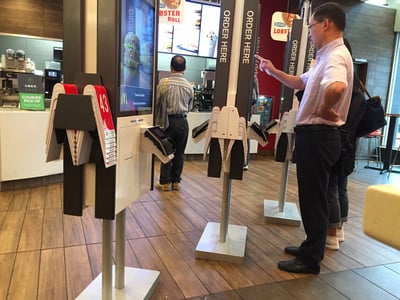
380	282
47	255
376	282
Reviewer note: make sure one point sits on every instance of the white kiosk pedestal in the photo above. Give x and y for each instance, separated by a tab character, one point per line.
148	280
282	212
130	283
232	250
133	178
288	216
222	241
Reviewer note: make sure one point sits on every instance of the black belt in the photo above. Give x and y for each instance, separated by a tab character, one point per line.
177	116
314	127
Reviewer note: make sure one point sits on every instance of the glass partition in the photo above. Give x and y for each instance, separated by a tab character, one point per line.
36	50
393	105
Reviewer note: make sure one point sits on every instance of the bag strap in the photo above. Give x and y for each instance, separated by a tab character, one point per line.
164	87
364	88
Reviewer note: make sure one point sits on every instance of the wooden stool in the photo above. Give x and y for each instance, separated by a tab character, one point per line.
373	150
382	214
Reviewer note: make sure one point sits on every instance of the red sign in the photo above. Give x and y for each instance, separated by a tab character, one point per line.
281	25
171	11
104	105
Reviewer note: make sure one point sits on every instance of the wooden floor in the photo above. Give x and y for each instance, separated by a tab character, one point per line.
47	255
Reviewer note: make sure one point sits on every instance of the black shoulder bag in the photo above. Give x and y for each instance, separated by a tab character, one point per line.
374	115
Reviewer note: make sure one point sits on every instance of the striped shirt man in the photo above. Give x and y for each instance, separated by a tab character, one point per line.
178	91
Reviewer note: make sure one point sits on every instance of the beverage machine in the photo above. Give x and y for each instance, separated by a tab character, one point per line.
52	75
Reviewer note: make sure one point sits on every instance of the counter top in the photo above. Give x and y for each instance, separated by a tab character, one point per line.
18	110
23	145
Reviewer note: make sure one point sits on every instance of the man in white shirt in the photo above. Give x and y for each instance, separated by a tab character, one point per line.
324	106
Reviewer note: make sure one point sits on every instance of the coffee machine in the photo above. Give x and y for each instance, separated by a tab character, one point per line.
208	90
8	93
51	77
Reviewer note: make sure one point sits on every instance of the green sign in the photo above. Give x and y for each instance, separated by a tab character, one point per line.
31	92
30	101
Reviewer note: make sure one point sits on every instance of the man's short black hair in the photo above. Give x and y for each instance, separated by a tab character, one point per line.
178	63
333	12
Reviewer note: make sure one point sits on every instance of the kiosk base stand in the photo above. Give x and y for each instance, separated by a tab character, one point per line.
232	250
146	281
282	212
289	216
223	241
140	283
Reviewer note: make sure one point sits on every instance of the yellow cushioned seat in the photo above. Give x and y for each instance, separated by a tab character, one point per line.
382	214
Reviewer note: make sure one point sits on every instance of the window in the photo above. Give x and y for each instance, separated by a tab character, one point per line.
393	106
377	2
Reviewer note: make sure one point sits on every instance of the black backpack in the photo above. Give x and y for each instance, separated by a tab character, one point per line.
374	115
348	133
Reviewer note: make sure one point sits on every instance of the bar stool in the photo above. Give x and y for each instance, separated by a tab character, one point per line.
373	141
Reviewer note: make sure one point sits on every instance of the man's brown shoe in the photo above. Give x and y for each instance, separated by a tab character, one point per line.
176	186
163	187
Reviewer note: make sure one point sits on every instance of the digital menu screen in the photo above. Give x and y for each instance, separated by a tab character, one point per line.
136	56
197	35
209	31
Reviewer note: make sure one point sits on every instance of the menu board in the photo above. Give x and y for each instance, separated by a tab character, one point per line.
136	56
197	35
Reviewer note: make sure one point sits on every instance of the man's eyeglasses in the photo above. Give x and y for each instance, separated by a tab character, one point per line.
312	25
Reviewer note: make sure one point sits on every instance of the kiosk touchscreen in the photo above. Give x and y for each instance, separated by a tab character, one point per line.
134	97
136	57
